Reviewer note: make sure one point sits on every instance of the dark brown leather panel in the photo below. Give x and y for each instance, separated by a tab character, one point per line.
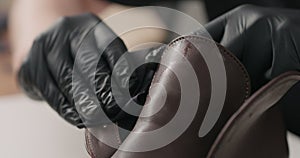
188	144
95	138
257	129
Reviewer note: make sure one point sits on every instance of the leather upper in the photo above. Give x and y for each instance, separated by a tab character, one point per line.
246	127
189	144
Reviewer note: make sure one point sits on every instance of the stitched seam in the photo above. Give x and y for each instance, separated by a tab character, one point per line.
223	52
90	146
247	80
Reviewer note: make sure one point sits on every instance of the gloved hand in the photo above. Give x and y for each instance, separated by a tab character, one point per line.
70	67
266	40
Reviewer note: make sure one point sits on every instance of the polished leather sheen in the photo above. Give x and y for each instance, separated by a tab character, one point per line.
189	144
98	149
257	128
238	90
246	128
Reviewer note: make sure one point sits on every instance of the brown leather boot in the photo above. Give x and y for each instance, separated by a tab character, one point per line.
245	128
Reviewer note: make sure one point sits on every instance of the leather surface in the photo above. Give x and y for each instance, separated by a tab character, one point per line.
251	128
257	129
188	144
98	149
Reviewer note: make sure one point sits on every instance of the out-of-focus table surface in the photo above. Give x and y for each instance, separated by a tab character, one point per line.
294	145
32	129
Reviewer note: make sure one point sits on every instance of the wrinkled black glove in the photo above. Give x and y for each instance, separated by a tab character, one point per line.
267	42
70	67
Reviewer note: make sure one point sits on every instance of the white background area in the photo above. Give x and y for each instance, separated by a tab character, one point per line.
32	129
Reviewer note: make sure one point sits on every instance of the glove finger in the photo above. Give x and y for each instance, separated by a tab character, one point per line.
25	82
92	77
65	40
286	55
60	67
216	27
40	78
111	49
109	44
87	82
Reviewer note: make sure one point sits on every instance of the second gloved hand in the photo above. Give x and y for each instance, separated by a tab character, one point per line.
266	40
70	67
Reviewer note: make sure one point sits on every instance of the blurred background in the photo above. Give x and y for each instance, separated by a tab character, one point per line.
32	129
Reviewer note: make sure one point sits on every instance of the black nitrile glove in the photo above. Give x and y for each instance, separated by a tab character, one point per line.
70	67
267	42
